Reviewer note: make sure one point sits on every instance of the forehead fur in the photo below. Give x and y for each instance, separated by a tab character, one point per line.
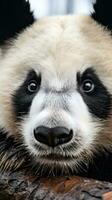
57	45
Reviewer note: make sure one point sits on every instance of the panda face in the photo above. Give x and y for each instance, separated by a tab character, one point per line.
76	105
58	96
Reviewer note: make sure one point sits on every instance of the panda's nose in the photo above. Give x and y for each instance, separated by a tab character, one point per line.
53	136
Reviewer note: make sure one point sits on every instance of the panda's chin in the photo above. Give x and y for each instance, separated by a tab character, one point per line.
54	165
59	159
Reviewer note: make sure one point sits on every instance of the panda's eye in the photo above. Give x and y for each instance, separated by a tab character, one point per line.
88	86
32	86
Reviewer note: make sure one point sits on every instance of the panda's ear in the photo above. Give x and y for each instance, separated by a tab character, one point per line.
15	15
103	12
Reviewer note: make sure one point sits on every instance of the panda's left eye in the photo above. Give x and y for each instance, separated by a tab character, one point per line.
88	86
32	86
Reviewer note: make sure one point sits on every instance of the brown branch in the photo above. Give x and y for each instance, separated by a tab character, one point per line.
20	187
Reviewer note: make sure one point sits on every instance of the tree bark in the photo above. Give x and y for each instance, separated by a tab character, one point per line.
17	186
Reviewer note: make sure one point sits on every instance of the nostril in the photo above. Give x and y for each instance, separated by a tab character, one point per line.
40	134
66	134
65	137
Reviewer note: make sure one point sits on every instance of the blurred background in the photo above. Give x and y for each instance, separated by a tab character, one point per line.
60	7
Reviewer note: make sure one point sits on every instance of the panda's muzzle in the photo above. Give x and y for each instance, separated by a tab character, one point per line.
53	136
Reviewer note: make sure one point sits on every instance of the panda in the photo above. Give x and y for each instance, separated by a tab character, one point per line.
56	92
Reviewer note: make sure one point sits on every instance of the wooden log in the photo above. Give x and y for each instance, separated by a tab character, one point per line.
17	186
107	196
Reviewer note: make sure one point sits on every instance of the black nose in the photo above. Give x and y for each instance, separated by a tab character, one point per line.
53	136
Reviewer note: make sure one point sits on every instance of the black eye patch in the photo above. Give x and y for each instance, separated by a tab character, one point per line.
98	100
22	99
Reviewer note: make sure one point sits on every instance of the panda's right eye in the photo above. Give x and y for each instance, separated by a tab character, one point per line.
32	86
32	83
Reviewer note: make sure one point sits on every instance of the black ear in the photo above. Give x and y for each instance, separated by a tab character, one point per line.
103	12
15	15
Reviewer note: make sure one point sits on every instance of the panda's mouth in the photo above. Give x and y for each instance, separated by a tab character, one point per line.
58	157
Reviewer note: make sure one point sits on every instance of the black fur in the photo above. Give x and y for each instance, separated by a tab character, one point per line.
15	15
22	99
99	101
100	168
103	13
14	152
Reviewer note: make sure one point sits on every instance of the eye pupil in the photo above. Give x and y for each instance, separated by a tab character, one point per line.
32	87
88	86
